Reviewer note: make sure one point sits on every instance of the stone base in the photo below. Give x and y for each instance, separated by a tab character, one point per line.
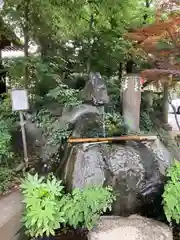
132	228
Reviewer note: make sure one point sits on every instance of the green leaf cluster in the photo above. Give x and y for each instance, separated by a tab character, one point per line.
42	74
146	124
7	124
41	200
5	142
44	120
171	195
52	129
94	28
114	123
65	95
48	208
83	207
6	178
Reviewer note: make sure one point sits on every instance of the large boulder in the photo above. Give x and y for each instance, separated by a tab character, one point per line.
132	169
132	228
85	114
84	119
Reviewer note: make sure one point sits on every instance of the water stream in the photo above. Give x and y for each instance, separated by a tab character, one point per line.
102	111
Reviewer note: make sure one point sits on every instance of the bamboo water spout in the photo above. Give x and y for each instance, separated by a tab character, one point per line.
112	139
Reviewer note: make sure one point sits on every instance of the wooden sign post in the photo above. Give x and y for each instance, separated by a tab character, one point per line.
20	103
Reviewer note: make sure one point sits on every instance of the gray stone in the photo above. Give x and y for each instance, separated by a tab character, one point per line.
77	112
132	228
80	118
164	156
131	169
95	90
131	101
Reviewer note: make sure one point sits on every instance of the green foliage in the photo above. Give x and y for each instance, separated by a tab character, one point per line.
6	113
65	95
7	123
42	74
113	88
5	142
48	208
41	199
59	133
6	178
171	195
94	29
83	207
44	120
114	123
146	124
51	127
7	156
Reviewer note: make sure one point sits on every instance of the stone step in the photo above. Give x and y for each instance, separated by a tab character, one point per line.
11	209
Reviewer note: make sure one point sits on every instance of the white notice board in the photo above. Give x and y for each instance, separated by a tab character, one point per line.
19	99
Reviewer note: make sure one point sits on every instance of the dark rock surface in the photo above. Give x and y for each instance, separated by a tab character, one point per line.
132	169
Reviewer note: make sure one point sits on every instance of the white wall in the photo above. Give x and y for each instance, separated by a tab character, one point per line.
11	54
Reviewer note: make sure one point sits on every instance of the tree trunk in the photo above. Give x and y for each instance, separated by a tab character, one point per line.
120	70
26	44
89	44
129	66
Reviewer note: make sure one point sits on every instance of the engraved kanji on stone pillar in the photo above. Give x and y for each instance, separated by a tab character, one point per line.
131	100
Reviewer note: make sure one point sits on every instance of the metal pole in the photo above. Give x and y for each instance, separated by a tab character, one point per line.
23	138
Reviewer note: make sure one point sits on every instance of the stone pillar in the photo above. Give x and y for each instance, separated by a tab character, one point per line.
131	102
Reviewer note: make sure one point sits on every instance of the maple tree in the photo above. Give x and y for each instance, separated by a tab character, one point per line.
160	41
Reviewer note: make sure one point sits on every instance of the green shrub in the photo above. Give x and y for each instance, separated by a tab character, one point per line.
51	127
7	124
5	142
44	120
114	123
6	177
83	208
6	113
48	208
41	199
171	195
65	95
145	122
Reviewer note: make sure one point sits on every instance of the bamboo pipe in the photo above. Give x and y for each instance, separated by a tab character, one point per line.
111	139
